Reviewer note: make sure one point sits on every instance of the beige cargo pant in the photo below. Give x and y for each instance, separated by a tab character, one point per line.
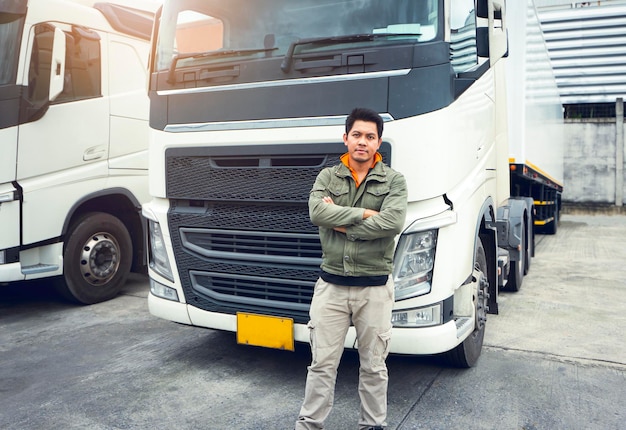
332	309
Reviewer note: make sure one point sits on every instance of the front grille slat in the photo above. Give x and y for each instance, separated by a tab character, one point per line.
279	296
206	241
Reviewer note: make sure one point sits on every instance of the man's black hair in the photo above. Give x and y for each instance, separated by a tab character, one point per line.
364	114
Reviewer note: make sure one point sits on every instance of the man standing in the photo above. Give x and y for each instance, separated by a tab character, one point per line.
359	206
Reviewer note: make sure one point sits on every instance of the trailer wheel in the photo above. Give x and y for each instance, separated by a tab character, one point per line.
96	260
530	246
467	353
552	227
518	268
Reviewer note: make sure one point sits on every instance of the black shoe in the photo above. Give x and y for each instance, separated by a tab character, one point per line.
375	428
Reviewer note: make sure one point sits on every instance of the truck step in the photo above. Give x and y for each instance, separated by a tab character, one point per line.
39	268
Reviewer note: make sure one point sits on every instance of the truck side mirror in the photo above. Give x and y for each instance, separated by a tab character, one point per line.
491	39
482	9
46	71
57	66
482	42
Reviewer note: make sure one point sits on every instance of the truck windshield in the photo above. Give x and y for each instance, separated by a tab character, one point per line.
10	30
195	32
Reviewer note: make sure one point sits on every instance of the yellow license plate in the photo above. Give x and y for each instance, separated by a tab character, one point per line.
266	331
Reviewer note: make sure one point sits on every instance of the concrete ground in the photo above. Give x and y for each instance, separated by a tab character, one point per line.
554	358
572	304
558	346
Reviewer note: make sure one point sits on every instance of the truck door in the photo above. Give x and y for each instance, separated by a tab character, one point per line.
129	104
11	23
64	131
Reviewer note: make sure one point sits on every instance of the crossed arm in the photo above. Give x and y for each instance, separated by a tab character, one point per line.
356	222
366	214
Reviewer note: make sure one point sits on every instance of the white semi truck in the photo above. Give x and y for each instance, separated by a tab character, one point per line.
248	103
73	143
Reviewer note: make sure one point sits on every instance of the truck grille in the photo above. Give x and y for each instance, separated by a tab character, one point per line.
245	290
240	225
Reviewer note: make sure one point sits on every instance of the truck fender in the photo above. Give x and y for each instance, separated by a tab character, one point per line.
510	224
487	233
95	196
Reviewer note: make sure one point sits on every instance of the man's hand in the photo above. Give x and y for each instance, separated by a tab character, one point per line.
366	214
369	212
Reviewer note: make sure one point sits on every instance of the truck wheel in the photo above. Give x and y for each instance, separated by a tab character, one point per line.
518	268
97	258
466	354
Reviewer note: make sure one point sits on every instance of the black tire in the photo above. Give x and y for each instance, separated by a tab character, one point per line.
553	226
466	354
518	268
97	258
530	245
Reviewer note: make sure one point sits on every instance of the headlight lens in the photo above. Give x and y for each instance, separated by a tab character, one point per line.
413	265
159	262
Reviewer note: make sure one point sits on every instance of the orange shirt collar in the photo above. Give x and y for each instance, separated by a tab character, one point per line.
345	159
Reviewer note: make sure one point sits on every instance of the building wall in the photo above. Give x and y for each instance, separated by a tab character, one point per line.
591	170
587	47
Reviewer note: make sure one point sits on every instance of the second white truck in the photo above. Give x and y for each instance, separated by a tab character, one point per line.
73	144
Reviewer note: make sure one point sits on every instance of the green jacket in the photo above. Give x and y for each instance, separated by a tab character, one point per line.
367	247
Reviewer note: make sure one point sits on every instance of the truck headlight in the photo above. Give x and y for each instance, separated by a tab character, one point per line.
159	262
413	264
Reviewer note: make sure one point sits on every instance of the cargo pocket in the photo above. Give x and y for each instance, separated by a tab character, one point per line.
380	350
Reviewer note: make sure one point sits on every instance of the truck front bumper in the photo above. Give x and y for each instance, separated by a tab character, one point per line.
11	272
410	341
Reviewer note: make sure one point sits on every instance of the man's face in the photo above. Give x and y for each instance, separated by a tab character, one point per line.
362	142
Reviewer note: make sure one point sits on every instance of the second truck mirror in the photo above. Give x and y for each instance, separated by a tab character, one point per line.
482	9
57	66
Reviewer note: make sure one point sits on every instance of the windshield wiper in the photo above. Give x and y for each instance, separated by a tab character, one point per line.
333	40
209	54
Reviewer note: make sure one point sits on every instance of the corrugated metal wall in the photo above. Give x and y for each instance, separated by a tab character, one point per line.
587	47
